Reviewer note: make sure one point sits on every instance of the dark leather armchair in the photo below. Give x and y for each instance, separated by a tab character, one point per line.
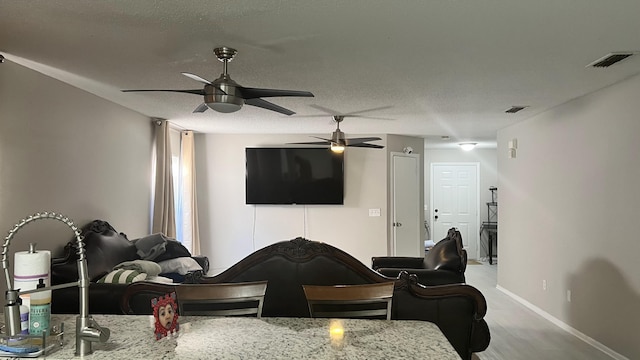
444	264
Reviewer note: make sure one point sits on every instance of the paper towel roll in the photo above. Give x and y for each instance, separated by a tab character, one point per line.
28	268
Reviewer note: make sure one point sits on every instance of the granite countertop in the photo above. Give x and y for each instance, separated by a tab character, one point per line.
132	337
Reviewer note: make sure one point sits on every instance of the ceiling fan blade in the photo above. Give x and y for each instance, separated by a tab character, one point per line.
350	114
367	145
196	92
196	78
268	105
201	108
327	140
326	110
355	113
314	143
251	93
204	81
353	141
366	117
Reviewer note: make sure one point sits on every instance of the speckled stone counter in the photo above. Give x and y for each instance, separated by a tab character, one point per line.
267	338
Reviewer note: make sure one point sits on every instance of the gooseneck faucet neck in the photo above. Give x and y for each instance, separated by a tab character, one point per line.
87	330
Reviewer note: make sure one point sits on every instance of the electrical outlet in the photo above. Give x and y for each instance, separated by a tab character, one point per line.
544	285
568	295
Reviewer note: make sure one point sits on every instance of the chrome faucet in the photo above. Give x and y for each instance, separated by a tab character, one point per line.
87	329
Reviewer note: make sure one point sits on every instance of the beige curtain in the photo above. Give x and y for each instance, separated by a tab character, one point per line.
163	207
190	231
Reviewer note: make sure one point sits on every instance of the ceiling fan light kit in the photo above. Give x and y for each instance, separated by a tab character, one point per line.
339	142
224	107
226	96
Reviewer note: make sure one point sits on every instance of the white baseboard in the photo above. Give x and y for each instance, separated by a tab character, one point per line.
564	326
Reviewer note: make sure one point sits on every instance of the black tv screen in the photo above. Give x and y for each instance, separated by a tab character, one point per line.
294	176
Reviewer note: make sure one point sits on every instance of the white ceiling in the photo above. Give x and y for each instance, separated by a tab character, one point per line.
430	67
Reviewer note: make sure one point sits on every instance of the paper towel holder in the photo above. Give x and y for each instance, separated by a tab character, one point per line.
87	329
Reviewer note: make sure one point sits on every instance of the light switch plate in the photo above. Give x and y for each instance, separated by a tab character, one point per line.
374	212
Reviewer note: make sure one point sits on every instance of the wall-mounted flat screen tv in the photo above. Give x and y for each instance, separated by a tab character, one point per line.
290	175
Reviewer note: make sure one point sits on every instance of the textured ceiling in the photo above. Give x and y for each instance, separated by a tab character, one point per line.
423	68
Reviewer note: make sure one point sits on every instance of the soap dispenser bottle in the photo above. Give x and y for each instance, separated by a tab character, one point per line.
40	310
24	318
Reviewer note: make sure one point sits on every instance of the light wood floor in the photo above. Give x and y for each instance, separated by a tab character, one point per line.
518	333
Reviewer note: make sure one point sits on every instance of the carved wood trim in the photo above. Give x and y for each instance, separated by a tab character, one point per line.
410	283
297	250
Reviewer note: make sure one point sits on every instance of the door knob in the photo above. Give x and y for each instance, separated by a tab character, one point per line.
436	217
397	224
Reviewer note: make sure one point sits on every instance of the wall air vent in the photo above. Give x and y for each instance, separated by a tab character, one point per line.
515	109
610	59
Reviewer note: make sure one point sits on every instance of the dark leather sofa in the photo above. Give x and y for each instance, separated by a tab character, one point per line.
457	309
104	249
445	263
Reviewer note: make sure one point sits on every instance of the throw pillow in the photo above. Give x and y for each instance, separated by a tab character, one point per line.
180	265
173	249
148	267
151	246
122	276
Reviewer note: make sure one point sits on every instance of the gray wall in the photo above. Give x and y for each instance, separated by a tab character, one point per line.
231	230
65	150
569	207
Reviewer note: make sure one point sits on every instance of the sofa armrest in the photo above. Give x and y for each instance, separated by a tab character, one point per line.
397	262
457	309
426	276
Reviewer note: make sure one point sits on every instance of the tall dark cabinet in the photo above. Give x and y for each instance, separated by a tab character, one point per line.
490	227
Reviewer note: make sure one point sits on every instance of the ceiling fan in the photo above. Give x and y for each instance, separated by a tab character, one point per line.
339	142
226	96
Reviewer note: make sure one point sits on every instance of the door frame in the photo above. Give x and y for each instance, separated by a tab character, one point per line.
420	211
431	215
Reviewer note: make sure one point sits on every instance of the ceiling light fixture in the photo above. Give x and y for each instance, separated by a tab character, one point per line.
224	107
337	148
468	146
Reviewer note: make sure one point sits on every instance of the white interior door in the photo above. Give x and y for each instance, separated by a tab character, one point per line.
406	216
455	202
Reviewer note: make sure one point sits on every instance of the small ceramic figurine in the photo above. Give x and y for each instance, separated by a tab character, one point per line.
165	312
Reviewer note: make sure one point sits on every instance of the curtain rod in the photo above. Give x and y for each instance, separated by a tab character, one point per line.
171	124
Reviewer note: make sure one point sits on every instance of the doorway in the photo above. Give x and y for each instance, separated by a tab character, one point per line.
405	200
454	197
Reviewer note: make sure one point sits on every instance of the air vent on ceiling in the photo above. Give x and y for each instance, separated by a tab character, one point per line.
610	59
515	109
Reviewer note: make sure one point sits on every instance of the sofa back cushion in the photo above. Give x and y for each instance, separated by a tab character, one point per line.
447	254
104	249
408	262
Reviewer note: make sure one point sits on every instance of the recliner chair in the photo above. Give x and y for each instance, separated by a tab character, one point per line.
444	264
